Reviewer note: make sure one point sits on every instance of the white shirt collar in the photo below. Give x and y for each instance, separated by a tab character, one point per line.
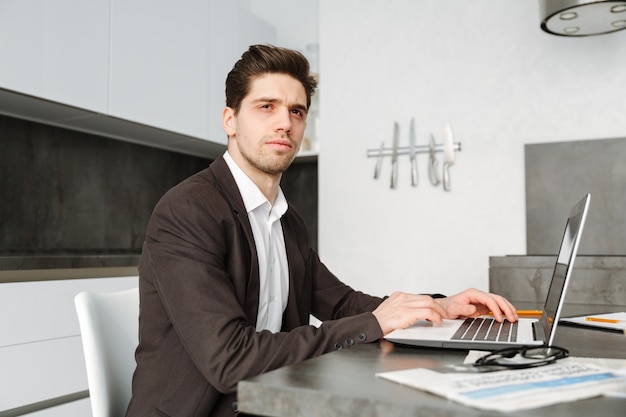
252	197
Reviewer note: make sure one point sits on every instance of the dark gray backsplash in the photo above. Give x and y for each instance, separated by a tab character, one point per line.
69	195
299	184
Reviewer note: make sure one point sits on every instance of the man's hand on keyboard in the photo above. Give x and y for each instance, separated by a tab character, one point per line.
473	302
400	310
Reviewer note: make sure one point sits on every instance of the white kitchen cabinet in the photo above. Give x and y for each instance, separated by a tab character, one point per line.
56	50
145	71
169	61
232	30
159	64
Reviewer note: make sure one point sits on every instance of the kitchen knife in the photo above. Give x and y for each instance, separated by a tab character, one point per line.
448	156
433	168
412	153
394	155
379	161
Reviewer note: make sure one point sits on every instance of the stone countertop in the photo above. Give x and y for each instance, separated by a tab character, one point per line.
344	383
595	280
53	274
55	261
547	261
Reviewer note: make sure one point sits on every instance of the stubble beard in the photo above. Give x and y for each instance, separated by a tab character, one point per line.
269	163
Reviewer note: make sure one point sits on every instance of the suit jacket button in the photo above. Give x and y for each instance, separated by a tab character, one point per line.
362	337
338	346
234	406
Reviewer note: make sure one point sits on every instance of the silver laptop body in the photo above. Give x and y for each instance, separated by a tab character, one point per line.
456	333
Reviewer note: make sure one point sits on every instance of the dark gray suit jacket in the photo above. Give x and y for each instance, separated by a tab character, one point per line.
199	293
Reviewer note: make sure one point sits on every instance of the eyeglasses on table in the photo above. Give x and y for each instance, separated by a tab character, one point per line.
522	357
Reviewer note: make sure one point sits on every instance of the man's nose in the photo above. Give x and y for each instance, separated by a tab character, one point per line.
283	121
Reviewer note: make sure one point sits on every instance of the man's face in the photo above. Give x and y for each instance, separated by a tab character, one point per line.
266	134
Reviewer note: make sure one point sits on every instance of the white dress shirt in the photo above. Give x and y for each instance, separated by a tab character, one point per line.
270	246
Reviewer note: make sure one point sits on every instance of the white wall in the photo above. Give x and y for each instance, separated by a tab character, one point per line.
486	68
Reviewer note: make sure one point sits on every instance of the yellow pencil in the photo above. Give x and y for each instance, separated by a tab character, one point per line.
525	313
603	320
529	312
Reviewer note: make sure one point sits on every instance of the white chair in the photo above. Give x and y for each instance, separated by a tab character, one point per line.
109	326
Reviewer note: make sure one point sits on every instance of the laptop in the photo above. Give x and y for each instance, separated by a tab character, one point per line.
484	333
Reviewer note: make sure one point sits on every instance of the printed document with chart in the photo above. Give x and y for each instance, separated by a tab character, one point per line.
566	380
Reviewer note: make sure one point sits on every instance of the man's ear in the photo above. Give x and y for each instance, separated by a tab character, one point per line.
228	121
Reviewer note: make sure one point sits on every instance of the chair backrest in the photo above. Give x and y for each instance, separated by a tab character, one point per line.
109	326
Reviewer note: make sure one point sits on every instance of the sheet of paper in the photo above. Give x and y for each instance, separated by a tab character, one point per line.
620	317
515	389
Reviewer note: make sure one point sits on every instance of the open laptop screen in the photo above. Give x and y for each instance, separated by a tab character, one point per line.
563	269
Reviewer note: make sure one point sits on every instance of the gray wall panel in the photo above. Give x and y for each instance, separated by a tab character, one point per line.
558	175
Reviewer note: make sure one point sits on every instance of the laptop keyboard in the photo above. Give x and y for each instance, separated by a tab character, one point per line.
481	328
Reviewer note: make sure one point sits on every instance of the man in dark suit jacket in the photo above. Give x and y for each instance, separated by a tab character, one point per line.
203	294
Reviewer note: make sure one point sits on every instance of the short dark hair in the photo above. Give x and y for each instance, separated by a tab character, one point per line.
267	59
